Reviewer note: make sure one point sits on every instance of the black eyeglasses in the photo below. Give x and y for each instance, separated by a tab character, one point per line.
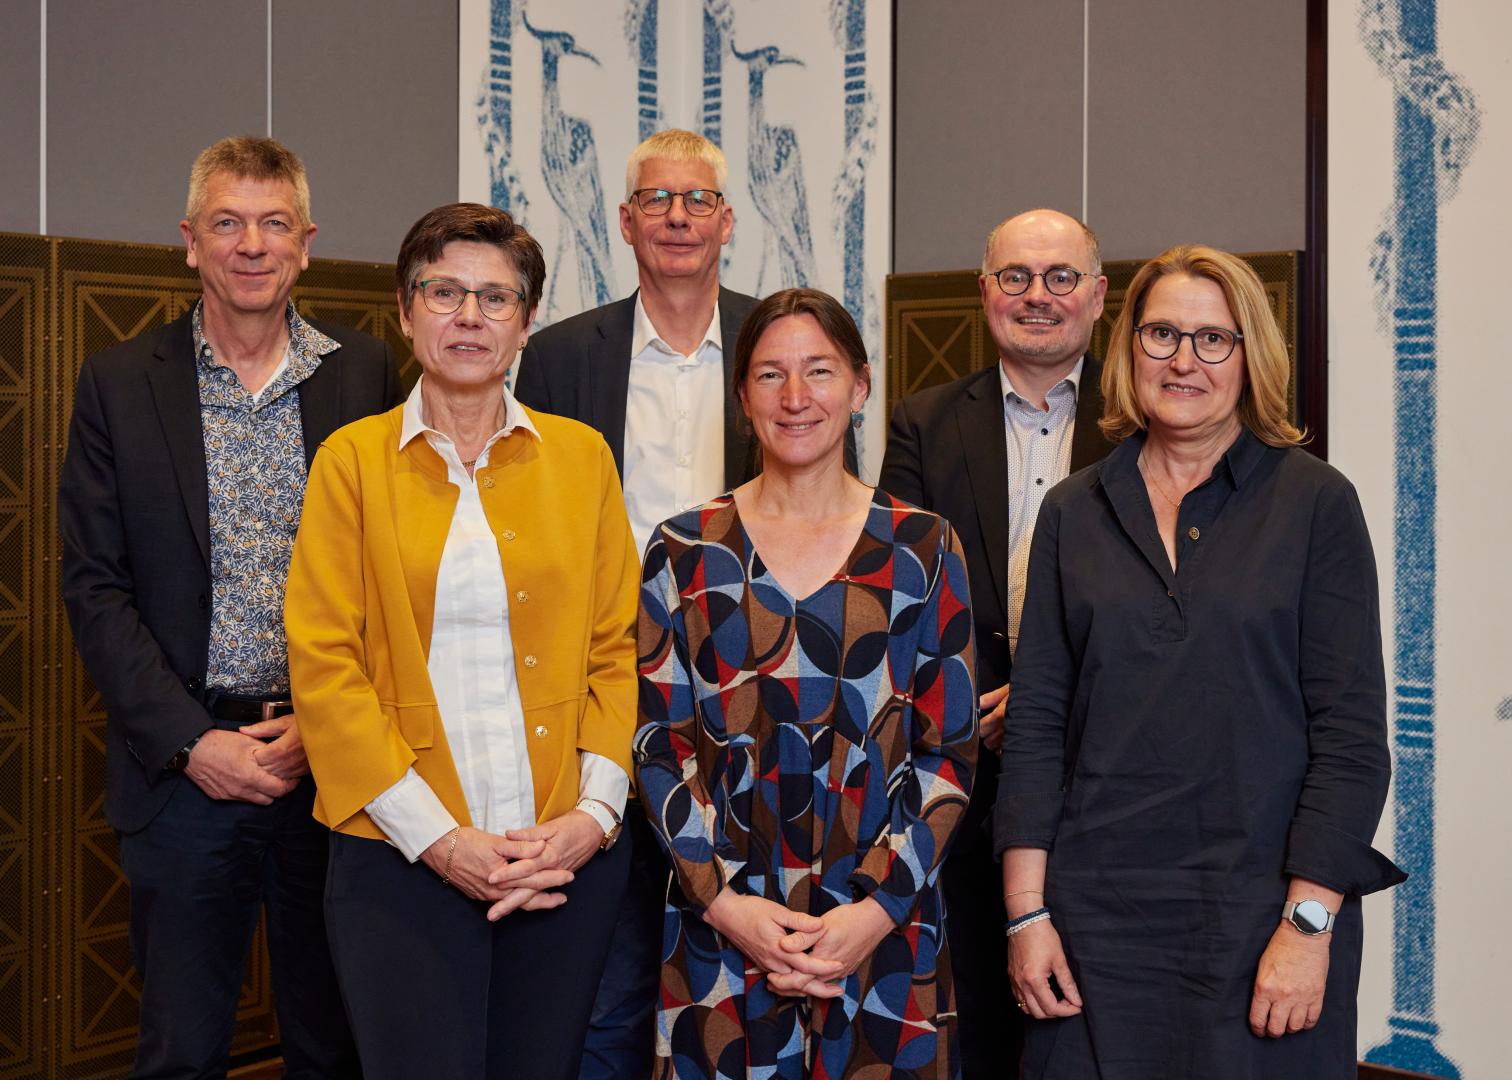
444	297
1059	281
655	201
1211	344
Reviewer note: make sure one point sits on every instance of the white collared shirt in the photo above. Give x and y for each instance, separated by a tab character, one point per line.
674	425
1039	457
472	671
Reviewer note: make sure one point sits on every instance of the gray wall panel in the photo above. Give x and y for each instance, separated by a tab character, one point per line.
366	92
1216	87
20	124
970	151
134	91
1197	125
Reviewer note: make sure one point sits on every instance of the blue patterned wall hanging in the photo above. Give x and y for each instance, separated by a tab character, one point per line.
1436	127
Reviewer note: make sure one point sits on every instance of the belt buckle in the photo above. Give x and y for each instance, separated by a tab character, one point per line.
269	706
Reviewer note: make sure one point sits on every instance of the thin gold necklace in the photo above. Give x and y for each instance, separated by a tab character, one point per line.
1149	474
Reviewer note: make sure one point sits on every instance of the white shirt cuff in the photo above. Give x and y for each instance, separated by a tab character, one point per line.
411	815
603	780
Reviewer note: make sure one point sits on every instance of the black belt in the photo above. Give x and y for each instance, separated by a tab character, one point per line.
239	709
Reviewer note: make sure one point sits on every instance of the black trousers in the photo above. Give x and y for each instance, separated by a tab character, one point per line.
435	989
200	872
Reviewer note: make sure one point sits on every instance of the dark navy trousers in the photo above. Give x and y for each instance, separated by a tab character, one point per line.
200	872
436	990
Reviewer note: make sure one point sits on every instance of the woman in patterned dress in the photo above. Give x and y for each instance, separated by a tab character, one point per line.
807	739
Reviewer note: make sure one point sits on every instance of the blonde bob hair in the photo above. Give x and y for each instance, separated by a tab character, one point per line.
675	144
1262	403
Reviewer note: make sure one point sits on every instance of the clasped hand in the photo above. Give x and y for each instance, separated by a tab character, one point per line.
802	955
519	870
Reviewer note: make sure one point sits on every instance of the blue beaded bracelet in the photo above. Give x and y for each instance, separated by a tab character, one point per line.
1037	915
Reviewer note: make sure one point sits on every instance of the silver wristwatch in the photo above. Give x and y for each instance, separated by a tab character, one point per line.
1308	916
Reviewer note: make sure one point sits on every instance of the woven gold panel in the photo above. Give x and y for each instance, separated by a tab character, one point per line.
936	331
68	993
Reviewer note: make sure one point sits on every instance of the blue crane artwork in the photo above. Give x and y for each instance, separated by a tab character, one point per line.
776	179
569	164
1436	127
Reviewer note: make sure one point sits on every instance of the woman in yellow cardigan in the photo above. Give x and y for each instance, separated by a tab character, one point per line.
461	611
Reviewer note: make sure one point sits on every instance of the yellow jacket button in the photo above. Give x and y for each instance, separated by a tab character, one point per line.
487	481
508	534
540	731
522	596
530	660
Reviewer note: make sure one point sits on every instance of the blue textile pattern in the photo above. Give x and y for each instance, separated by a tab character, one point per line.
848	21
1436	127
718	23
777	182
569	164
495	113
640	32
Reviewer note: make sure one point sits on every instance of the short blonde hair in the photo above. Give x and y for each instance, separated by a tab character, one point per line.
675	144
1262	401
253	158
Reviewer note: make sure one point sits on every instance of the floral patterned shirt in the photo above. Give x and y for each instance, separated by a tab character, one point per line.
255	467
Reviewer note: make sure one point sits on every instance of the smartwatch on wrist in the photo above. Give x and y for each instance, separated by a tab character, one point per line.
1310	917
180	760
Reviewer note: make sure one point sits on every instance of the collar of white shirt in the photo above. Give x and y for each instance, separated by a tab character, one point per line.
414	423
1073	377
646	335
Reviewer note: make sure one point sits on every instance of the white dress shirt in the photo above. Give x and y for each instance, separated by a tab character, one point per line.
674	426
1039	457
471	665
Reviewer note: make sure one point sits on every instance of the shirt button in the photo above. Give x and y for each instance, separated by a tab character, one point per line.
683	460
1039	480
1194	533
530	660
508	534
487	481
522	596
540	731
1044	431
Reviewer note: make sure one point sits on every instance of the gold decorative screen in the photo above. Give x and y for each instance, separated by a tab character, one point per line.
68	994
936	331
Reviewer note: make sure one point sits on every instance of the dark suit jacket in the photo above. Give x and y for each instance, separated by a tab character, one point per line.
580	367
947	451
133	511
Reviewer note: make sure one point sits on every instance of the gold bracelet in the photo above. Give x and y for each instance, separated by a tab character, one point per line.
451	849
1023	892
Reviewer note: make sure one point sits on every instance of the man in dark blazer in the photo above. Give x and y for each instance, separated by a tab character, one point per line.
652	374
652	371
982	451
178	502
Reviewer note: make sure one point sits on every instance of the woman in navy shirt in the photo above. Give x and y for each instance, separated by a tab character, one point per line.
1195	759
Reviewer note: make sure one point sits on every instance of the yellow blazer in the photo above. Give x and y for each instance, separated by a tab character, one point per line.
361	600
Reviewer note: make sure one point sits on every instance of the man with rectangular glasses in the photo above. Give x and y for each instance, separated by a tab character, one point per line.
982	451
652	373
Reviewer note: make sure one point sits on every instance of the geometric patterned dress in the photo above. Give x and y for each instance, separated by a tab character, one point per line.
811	752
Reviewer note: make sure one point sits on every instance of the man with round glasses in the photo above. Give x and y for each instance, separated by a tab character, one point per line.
652	374
983	451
